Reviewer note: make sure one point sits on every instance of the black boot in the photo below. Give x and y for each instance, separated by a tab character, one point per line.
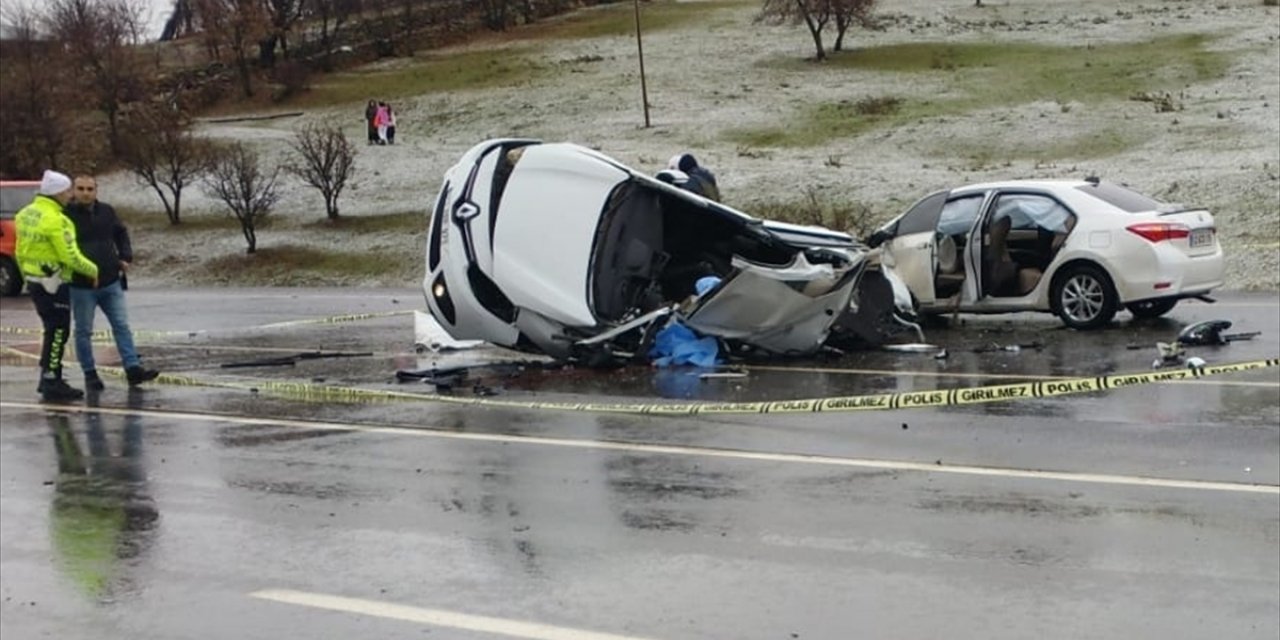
138	375
92	382
57	390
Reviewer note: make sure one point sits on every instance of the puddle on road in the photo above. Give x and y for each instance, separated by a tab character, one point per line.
103	519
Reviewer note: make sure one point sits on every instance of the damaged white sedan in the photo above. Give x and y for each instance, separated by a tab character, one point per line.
558	249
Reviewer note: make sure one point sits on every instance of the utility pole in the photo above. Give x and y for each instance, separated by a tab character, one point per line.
644	90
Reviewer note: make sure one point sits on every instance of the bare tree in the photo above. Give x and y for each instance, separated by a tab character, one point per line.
248	23
814	14
281	15
99	36
236	25
848	13
497	13
33	110
213	24
164	155
326	159
330	15
237	179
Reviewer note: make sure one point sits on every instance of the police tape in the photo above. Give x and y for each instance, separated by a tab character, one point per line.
350	317
884	401
105	334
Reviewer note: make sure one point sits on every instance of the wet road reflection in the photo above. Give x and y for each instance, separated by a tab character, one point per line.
162	523
103	519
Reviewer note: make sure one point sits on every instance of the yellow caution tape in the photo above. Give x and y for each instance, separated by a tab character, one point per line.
908	400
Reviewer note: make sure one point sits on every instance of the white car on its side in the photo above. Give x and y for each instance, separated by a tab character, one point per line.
559	249
1079	249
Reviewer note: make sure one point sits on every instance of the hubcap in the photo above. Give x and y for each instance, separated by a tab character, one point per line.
1082	298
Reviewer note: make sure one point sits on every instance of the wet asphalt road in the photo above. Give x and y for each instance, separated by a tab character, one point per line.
196	512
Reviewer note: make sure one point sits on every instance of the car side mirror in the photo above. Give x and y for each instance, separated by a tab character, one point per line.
878	238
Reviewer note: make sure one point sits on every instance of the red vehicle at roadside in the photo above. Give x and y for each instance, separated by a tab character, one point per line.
14	195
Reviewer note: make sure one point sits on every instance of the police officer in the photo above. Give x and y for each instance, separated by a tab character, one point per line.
48	256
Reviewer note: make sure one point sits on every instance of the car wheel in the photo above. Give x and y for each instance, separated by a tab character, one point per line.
10	278
1083	297
1151	308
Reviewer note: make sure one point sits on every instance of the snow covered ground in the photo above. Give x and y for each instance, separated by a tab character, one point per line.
1221	150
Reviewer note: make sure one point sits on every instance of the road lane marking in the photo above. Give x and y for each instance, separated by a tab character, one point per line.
435	617
682	450
994	376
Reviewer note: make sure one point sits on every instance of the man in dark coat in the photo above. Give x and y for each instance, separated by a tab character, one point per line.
701	181
102	238
371	127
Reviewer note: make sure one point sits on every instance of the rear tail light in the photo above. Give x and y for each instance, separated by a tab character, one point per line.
1160	231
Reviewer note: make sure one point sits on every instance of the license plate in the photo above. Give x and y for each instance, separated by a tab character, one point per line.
1201	237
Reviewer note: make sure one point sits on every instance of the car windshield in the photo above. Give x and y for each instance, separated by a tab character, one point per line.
14	198
1127	199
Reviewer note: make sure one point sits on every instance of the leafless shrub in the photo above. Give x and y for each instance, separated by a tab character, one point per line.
744	151
877	106
817	208
164	155
1163	102
236	178
325	161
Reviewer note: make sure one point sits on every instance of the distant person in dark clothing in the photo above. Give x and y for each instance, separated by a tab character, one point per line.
103	239
370	121
701	181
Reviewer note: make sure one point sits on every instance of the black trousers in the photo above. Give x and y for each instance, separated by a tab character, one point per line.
55	314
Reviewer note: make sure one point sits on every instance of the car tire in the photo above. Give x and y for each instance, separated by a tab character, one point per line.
10	278
1083	297
1152	308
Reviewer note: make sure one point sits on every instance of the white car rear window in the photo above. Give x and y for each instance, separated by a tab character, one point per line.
1124	198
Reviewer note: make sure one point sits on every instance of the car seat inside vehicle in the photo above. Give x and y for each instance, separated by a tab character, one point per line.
628	257
652	247
950	273
1005	276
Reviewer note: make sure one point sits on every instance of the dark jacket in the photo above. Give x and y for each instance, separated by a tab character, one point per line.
703	183
102	238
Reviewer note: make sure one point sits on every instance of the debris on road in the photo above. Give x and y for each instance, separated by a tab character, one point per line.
995	347
1170	354
1210	333
428	335
291	360
912	347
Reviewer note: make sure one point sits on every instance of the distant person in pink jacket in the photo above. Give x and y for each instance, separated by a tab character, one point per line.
391	125
381	120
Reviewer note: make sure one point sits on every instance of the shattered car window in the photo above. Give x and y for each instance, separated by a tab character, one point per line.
1032	211
958	215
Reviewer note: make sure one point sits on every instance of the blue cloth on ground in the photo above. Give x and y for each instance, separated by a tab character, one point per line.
705	284
677	344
